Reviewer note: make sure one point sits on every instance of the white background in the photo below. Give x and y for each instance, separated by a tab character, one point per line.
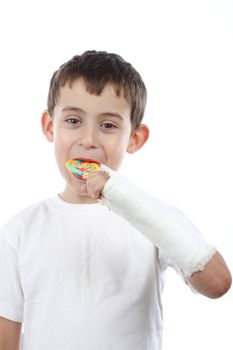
184	52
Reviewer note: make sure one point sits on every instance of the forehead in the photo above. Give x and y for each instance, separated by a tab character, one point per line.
75	94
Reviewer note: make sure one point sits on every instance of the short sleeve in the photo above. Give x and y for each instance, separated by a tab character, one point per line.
11	294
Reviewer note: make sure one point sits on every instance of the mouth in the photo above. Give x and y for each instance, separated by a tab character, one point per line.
88	160
81	168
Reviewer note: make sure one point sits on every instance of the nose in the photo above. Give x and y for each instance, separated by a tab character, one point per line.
87	138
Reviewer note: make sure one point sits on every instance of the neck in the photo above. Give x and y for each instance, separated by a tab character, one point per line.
74	198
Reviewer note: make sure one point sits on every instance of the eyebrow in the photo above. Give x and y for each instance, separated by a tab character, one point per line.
111	114
80	110
74	109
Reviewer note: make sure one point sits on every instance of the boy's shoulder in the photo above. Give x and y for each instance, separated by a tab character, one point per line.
13	225
28	210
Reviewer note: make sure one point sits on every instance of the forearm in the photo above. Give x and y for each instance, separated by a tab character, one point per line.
10	334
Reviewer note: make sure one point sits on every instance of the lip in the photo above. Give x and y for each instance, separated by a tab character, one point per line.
89	160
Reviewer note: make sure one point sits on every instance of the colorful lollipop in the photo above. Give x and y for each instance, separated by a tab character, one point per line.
81	167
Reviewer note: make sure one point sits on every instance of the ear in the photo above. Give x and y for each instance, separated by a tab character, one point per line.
138	138
47	125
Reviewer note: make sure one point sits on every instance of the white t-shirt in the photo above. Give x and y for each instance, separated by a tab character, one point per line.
80	277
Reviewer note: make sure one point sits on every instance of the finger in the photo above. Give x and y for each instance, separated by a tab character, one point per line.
94	191
95	195
84	188
95	184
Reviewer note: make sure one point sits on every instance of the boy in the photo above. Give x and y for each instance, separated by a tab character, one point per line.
84	270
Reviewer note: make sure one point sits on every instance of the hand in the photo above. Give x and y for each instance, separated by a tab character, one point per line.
95	184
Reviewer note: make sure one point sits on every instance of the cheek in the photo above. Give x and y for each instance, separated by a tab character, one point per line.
61	145
61	138
116	150
115	146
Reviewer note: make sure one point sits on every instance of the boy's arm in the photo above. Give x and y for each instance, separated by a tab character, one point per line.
10	333
167	228
215	280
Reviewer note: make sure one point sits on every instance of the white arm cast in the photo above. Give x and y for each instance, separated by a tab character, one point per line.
165	226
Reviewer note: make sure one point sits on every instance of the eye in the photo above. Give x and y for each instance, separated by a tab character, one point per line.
72	121
108	125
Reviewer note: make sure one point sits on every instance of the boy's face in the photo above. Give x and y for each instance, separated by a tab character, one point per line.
90	127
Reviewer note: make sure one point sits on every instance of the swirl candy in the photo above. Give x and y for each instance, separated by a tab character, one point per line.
81	167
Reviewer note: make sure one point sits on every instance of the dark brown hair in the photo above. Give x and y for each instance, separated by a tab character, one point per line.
99	68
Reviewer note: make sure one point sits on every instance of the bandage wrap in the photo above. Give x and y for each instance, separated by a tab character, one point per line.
164	225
